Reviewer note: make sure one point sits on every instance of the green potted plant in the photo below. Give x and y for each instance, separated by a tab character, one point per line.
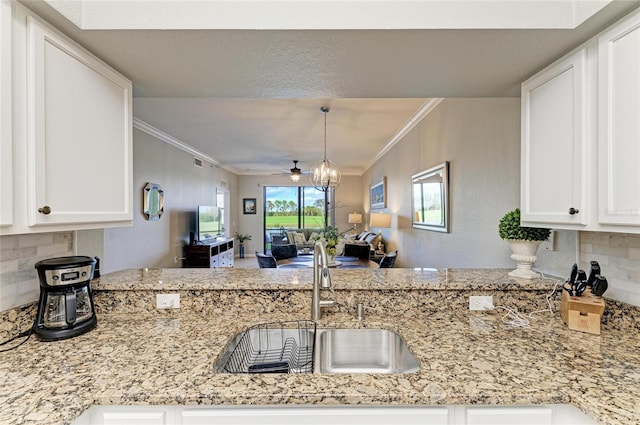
241	237
524	243
330	236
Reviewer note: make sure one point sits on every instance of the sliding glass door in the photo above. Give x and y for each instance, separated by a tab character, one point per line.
292	207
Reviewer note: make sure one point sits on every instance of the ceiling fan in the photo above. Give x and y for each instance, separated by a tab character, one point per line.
295	173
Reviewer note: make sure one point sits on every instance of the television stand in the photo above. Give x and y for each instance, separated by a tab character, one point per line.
210	255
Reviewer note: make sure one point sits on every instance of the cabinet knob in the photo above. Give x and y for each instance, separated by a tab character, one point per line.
46	210
573	211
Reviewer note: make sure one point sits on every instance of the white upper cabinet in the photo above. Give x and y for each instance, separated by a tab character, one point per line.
554	184
619	124
72	137
6	143
581	136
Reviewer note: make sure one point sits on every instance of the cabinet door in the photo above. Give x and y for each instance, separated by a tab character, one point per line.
79	144
554	144
619	124
6	141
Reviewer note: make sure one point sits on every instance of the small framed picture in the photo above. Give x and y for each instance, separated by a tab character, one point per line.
378	194
249	205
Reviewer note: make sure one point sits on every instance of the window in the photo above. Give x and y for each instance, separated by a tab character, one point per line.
292	207
221	200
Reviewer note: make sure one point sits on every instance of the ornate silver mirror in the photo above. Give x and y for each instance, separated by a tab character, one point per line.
153	201
430	198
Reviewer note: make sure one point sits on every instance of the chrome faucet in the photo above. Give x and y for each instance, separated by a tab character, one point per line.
321	280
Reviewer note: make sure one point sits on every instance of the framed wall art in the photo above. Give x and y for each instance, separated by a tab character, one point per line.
249	205
378	194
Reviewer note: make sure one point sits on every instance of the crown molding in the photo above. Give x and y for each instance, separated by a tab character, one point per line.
424	110
169	139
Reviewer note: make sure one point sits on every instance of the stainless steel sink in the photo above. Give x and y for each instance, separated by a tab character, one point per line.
362	351
336	351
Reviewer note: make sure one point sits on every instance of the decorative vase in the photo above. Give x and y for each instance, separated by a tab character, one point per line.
524	254
241	250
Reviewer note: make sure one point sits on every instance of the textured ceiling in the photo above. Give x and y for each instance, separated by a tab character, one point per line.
216	90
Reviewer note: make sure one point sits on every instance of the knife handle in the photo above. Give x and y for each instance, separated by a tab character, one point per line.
574	273
600	286
595	270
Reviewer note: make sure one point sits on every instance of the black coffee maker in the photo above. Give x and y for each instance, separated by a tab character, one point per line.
65	308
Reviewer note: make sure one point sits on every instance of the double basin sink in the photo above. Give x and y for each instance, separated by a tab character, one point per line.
327	350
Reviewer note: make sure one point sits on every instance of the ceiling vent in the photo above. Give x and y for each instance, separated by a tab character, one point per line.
197	162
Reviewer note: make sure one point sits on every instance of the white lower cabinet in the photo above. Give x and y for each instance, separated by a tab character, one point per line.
351	415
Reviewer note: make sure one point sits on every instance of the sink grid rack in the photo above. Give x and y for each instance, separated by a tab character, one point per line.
274	347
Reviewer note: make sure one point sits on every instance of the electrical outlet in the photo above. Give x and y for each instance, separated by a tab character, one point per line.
549	244
481	302
168	301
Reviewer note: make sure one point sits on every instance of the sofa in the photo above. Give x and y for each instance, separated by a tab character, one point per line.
302	238
358	245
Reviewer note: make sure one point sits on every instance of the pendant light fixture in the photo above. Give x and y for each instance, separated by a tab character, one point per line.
325	173
296	173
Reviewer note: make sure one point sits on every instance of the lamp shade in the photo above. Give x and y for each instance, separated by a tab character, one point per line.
355	218
380	220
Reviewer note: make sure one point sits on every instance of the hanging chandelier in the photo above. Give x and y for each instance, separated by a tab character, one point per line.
325	173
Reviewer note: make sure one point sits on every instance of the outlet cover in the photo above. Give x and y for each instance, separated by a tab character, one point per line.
167	300
481	302
549	244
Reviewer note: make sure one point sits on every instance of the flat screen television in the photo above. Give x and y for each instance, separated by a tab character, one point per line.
209	223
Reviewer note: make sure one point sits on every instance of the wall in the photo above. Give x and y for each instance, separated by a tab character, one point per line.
348	199
156	243
619	257
19	283
481	139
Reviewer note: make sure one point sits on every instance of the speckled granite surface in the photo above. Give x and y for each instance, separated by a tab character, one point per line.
398	278
465	357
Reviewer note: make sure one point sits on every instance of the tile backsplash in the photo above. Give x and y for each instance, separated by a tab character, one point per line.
619	257
18	255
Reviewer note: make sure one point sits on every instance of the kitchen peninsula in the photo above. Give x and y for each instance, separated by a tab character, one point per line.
141	355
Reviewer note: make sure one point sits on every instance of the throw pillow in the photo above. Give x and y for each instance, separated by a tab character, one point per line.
299	239
340	246
312	238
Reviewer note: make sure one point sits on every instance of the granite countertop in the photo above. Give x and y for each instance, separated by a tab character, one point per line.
353	279
465	358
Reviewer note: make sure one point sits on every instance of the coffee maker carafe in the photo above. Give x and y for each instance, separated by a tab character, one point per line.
65	307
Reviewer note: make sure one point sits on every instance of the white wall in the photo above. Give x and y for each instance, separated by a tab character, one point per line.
156	243
349	195
481	140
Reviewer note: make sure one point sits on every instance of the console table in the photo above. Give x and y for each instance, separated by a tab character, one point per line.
212	255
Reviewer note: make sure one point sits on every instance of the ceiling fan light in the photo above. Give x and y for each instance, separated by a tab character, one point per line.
296	173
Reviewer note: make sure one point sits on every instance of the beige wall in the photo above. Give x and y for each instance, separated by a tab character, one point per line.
156	243
481	140
348	199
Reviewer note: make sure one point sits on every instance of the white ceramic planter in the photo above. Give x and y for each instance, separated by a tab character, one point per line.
524	254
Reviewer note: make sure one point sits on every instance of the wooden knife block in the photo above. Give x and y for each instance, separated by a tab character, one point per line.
582	313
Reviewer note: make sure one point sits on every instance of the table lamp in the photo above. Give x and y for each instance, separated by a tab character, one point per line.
381	221
355	219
